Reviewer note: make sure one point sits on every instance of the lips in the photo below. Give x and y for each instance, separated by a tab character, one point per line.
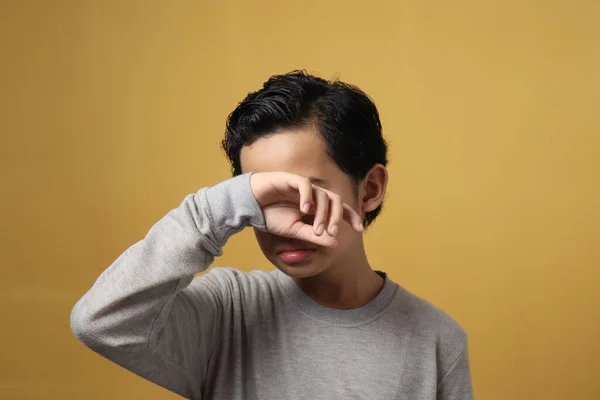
294	249
290	245
295	255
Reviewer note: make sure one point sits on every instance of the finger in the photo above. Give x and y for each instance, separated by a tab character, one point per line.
306	233
353	218
322	209
336	211
305	189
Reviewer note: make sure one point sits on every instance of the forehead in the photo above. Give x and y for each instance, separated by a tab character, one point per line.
299	151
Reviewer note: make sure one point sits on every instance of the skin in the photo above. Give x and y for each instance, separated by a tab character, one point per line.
337	274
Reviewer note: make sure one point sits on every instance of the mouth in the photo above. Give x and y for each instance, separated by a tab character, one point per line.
295	256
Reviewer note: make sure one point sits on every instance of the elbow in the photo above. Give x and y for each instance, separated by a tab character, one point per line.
88	327
104	331
82	326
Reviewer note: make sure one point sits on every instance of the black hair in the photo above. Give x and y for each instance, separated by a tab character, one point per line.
344	116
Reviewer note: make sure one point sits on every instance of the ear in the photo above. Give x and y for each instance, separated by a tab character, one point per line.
372	188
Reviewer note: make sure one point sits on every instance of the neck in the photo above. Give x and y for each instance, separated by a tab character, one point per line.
350	284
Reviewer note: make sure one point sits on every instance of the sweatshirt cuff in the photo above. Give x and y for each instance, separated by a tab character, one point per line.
232	207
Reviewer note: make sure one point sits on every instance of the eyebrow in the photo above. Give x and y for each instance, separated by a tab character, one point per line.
317	181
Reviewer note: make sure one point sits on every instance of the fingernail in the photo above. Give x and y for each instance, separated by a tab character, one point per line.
333	230
320	229
305	208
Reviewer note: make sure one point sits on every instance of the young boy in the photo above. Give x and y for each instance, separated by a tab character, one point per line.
309	164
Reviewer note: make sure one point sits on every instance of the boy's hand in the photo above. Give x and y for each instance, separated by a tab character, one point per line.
286	198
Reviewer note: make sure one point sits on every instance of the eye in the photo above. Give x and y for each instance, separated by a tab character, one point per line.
318	182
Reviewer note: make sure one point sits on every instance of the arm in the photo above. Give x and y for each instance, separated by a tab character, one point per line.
143	314
456	383
147	313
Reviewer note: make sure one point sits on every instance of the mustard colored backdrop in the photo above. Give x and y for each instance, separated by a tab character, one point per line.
112	111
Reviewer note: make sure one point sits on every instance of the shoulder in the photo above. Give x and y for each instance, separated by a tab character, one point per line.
238	285
237	276
432	325
429	318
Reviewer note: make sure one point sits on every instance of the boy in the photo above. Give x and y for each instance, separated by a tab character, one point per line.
309	164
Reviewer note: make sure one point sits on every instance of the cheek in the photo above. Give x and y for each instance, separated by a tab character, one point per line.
349	196
264	239
347	238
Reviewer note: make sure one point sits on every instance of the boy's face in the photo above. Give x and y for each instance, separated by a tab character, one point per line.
301	152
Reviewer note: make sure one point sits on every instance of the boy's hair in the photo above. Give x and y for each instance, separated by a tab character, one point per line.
343	115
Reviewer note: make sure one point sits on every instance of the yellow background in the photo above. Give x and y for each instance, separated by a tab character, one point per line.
112	111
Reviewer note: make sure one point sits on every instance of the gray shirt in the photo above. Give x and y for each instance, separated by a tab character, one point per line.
230	334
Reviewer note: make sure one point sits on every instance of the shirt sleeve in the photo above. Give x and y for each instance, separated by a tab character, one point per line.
146	312
456	383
